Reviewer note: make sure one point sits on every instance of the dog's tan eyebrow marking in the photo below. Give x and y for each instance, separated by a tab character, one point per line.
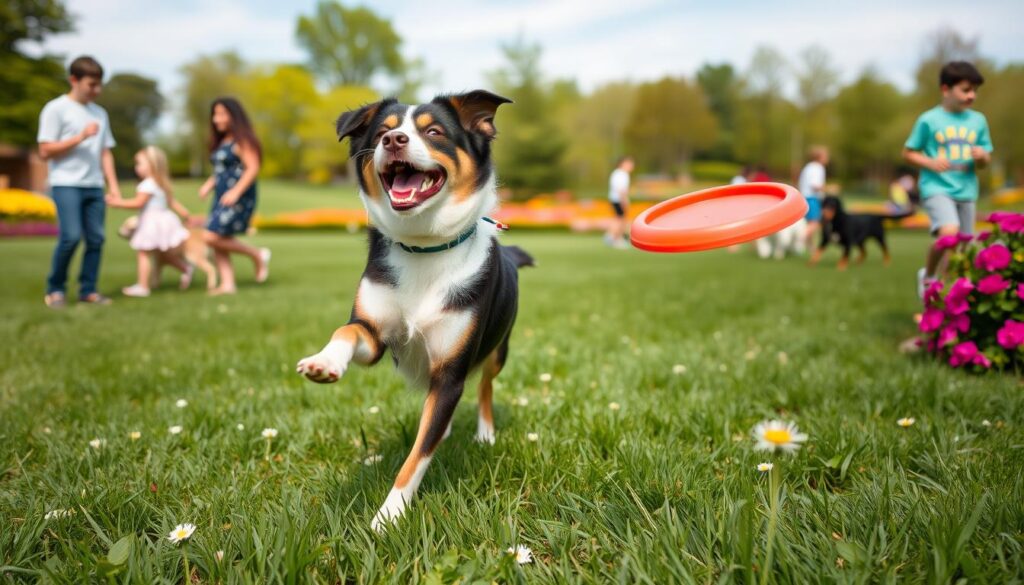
391	121
424	120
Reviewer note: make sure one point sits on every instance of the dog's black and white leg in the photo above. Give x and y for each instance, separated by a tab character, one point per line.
445	391
358	340
488	371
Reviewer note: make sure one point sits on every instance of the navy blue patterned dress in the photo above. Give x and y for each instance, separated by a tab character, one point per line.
227	170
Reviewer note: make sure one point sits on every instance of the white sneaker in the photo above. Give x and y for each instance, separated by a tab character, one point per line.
135	290
186	277
264	273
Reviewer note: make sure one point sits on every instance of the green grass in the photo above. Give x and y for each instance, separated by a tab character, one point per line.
663	490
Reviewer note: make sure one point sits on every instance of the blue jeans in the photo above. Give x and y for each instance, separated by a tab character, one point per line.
80	212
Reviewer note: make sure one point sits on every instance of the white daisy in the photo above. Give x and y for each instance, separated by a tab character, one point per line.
240	427
678	369
174	430
986	423
764	467
906	422
777	435
373	409
522	401
532	437
219	555
181	403
373	460
135	435
522	553
545	377
783	358
614	405
181	532
96	443
58	514
268	433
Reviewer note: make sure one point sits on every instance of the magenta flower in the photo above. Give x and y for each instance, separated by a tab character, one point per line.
946	336
963	353
1020	291
992	284
956	300
933	293
947	242
960	323
981	360
1011	335
998	216
995	257
982	236
1012	224
931	320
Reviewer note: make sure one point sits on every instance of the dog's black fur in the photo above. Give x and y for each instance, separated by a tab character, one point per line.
851	230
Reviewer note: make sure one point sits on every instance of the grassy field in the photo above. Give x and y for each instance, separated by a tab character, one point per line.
694	349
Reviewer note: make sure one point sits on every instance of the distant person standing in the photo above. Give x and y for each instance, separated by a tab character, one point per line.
236	156
812	186
741	176
949	143
75	139
618	197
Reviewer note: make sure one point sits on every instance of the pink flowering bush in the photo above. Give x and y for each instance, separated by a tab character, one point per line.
976	319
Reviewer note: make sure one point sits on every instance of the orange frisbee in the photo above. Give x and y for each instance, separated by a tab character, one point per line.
717	217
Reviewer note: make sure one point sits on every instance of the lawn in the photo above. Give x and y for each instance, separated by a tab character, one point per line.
694	350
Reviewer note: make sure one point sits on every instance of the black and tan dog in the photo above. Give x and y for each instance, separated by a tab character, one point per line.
851	230
438	289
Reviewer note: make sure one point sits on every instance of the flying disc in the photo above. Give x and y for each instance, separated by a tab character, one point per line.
717	217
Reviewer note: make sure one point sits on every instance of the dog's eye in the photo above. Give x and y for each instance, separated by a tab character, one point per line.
435	131
383	130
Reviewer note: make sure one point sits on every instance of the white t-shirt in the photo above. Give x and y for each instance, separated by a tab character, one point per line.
157	197
617	185
812	180
64	118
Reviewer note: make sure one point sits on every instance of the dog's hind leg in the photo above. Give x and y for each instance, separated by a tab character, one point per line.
445	391
491	367
886	258
862	253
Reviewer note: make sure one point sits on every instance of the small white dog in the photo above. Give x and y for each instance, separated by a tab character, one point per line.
790	239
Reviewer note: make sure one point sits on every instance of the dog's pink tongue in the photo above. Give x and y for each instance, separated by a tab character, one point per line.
405	183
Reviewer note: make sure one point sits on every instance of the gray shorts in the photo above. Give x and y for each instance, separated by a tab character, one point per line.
944	210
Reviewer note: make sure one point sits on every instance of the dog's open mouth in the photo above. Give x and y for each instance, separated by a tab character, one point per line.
408	186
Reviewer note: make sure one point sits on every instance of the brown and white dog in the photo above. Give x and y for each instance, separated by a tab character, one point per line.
438	290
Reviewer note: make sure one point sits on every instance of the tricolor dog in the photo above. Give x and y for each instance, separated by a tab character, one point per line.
438	289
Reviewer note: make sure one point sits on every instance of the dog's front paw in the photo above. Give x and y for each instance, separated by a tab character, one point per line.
321	368
390	512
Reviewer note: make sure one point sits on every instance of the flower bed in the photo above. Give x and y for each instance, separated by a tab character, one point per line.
24	213
977	321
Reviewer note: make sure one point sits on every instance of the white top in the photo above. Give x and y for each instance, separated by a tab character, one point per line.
738	180
618	184
63	118
157	198
812	180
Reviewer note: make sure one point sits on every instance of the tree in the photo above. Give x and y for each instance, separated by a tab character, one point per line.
765	118
817	81
873	122
999	99
670	121
134	105
28	82
206	78
530	147
721	86
278	100
323	157
597	123
349	46
942	46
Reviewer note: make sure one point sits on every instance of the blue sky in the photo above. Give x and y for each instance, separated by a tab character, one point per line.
593	41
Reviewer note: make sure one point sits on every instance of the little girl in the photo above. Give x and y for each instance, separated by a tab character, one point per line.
159	229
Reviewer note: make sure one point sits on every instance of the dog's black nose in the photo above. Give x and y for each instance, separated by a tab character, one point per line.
395	140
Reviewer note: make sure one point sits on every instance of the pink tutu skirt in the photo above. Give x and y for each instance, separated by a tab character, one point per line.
158	230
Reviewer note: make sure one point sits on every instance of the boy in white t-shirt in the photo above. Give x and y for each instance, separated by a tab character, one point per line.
618	197
812	187
75	139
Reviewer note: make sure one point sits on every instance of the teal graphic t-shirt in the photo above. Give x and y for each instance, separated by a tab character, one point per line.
939	133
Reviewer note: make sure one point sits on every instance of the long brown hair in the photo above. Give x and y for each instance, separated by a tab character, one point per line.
241	129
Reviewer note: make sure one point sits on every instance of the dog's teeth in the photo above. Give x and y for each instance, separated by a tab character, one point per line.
428	183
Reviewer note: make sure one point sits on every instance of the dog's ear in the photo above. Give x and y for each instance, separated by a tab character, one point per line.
354	123
476	110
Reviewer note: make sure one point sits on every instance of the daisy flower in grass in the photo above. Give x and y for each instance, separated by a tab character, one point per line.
96	443
175	430
906	422
373	460
240	427
181	403
181	533
776	435
58	514
522	553
545	377
532	437
614	405
268	433
765	467
135	435
678	369
373	409
219	555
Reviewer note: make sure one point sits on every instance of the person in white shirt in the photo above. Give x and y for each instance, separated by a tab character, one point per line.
75	139
812	187
618	196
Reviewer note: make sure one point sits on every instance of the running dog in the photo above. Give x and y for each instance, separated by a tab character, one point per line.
851	229
438	290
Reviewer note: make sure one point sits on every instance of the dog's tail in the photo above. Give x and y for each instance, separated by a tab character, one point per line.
518	256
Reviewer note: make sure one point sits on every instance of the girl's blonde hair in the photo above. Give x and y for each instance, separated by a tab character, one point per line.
161	170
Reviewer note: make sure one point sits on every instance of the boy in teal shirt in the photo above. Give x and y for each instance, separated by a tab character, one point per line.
949	142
